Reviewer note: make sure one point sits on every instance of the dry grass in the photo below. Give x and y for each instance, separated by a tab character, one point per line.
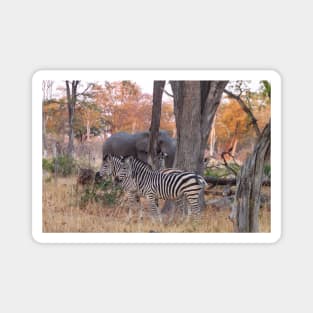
61	213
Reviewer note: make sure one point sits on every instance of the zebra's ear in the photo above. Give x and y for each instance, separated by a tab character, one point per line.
129	160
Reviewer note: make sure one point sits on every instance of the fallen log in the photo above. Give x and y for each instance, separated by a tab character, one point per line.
215	181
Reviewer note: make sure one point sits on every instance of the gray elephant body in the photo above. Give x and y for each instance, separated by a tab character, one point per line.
137	145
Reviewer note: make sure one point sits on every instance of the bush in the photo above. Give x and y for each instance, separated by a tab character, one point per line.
267	170
63	165
104	193
221	171
47	165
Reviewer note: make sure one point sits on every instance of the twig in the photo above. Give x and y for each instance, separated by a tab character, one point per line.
225	162
167	93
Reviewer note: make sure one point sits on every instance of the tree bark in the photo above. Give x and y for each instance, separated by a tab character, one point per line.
212	92
195	105
212	138
187	110
46	96
229	181
88	131
44	141
246	206
158	87
71	93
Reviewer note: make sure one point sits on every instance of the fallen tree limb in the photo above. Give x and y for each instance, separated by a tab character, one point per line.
229	181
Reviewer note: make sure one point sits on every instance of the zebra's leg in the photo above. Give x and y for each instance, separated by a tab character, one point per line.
179	207
154	208
194	211
131	203
140	207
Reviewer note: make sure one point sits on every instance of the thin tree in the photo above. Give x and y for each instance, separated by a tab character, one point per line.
46	96
71	94
158	87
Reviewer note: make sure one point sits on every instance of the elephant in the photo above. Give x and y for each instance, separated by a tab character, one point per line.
124	144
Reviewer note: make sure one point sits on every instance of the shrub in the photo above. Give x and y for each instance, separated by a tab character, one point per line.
47	165
267	170
63	165
104	193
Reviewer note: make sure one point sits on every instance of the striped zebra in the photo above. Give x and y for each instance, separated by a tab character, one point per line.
153	184
181	202
111	164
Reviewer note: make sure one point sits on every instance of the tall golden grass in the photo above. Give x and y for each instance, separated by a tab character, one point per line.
62	213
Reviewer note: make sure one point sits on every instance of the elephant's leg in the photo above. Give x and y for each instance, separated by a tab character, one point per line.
156	215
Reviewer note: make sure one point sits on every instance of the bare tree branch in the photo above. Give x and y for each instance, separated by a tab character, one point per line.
215	181
167	93
225	162
247	110
85	91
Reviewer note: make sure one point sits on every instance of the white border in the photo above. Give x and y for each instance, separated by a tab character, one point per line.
101	75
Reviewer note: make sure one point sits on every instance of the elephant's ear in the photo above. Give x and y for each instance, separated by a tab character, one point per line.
142	143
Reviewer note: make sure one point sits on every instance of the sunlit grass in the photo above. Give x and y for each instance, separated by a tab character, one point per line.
62	213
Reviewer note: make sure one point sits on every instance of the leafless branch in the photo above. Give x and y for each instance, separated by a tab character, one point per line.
215	181
246	109
167	93
225	162
86	89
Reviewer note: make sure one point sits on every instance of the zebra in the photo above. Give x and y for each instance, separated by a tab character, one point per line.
111	164
135	174
110	167
181	202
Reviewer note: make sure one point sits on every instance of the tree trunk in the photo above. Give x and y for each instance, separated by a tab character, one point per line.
158	87
44	141
234	147
245	211
211	95
212	139
187	109
195	105
46	96
87	131
71	94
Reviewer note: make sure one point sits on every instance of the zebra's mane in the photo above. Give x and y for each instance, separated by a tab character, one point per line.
138	161
113	155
